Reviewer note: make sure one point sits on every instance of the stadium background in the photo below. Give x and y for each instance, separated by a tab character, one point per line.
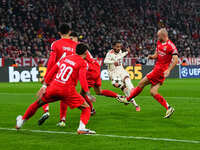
27	28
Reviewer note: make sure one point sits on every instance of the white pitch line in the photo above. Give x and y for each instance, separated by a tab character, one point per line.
107	135
14	94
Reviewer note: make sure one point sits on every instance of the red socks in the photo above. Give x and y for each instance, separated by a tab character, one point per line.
85	115
161	100
134	93
63	111
108	93
45	107
31	110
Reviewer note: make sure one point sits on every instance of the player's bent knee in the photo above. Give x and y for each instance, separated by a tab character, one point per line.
141	84
82	92
98	93
84	105
41	103
153	92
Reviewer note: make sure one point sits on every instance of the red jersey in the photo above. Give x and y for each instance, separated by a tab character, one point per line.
62	47
68	71
165	52
93	67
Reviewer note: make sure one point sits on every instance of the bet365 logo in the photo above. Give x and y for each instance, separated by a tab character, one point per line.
134	72
26	74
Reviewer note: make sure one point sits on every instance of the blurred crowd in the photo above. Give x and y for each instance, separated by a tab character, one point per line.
28	27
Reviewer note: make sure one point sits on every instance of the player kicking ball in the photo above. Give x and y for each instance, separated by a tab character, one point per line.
67	72
118	75
94	81
167	58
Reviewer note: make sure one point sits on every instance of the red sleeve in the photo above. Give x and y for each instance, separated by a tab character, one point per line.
52	58
51	62
89	57
173	49
82	78
51	74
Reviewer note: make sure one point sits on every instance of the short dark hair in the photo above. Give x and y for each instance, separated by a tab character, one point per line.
73	34
81	48
64	28
115	42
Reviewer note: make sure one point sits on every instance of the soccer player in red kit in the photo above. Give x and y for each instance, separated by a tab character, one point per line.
93	79
167	58
68	71
94	74
60	48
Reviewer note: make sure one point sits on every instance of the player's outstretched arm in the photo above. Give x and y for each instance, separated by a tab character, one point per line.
84	84
47	80
128	50
51	62
154	56
82	79
172	65
51	73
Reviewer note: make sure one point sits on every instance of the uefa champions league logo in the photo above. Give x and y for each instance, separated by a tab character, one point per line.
184	72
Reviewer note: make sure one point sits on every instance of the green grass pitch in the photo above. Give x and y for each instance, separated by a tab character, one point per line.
112	118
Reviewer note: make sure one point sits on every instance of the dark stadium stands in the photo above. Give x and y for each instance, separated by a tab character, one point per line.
28	27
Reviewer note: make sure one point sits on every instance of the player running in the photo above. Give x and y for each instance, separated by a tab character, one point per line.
94	81
68	71
167	58
117	72
60	48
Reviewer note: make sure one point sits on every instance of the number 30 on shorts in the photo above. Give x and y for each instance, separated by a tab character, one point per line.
64	73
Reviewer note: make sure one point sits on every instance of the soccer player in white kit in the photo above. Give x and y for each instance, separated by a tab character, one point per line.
117	74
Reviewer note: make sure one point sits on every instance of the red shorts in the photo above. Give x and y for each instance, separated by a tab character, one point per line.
93	79
155	77
94	82
68	96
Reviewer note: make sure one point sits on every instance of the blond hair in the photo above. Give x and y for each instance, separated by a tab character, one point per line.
163	31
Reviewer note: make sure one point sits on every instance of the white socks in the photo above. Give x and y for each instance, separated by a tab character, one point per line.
127	90
81	126
129	84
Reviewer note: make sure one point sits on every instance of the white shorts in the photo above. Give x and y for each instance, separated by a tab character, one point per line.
118	73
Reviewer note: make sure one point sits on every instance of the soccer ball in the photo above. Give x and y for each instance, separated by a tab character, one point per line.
117	82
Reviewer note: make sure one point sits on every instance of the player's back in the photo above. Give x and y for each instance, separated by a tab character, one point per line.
93	67
62	46
93	64
68	73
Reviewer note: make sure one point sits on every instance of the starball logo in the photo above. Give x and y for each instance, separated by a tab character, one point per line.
190	72
184	72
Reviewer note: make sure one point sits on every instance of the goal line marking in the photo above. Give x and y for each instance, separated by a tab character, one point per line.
107	135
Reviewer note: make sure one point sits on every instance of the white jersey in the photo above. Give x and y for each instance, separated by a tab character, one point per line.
111	58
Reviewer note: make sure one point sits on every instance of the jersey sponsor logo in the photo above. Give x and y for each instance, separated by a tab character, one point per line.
165	48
